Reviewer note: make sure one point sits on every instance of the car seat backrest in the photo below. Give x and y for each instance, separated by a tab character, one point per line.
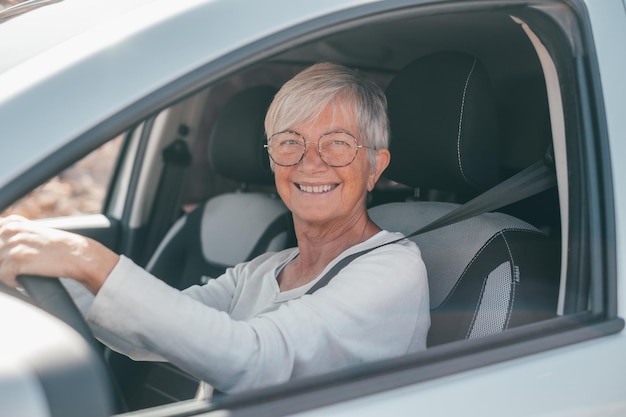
443	124
486	273
233	227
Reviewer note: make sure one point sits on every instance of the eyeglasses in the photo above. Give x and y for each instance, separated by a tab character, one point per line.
336	149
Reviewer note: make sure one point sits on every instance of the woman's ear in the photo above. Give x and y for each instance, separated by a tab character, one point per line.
383	157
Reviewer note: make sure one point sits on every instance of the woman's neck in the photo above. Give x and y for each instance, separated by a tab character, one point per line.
318	247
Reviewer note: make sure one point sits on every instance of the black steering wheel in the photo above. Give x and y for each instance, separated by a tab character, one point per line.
50	295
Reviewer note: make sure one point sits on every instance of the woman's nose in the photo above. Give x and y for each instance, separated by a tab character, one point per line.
311	155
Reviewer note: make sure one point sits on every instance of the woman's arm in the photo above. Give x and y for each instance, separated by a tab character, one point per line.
376	308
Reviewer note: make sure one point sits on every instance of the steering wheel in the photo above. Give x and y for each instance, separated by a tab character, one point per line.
50	295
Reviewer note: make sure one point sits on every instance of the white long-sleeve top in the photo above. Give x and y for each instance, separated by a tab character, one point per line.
240	331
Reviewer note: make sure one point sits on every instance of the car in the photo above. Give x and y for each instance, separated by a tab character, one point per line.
139	123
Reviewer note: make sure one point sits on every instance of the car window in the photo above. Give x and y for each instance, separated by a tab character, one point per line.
79	190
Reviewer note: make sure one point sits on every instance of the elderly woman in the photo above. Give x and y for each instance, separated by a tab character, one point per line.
256	325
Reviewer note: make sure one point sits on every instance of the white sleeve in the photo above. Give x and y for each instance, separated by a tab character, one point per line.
132	293
82	297
376	308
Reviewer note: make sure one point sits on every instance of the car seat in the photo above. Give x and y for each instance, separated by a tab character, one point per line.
233	227
492	271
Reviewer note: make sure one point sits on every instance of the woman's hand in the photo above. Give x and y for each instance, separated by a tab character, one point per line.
31	249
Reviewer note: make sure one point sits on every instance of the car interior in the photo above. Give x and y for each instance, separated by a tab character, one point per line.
468	105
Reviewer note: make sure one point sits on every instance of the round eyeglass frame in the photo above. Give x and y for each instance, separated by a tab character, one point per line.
319	153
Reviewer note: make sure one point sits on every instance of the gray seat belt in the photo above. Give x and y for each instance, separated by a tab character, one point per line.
176	159
532	180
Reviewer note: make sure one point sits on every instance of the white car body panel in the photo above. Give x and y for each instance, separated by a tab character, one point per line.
609	32
554	383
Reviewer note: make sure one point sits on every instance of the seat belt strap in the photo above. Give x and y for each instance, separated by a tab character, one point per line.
340	265
176	158
532	180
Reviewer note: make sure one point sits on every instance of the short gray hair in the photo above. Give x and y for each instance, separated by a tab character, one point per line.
304	97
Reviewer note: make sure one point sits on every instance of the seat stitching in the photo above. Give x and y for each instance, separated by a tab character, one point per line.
482	289
458	141
512	298
475	315
470	263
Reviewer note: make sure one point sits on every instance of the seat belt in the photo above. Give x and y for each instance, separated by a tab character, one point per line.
532	180
526	183
176	159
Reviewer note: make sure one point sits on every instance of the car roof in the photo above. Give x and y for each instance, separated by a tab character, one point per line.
75	63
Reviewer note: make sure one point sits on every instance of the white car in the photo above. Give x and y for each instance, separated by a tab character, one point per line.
139	123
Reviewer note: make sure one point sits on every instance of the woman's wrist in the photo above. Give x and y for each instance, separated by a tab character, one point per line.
96	264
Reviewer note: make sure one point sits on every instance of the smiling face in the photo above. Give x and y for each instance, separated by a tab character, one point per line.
322	196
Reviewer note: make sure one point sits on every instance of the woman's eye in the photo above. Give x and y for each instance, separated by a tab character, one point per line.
290	142
340	143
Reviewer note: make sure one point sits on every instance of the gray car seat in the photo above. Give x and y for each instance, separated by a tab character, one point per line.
487	273
232	227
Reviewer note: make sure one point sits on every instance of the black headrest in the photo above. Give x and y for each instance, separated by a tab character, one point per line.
443	124
236	147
